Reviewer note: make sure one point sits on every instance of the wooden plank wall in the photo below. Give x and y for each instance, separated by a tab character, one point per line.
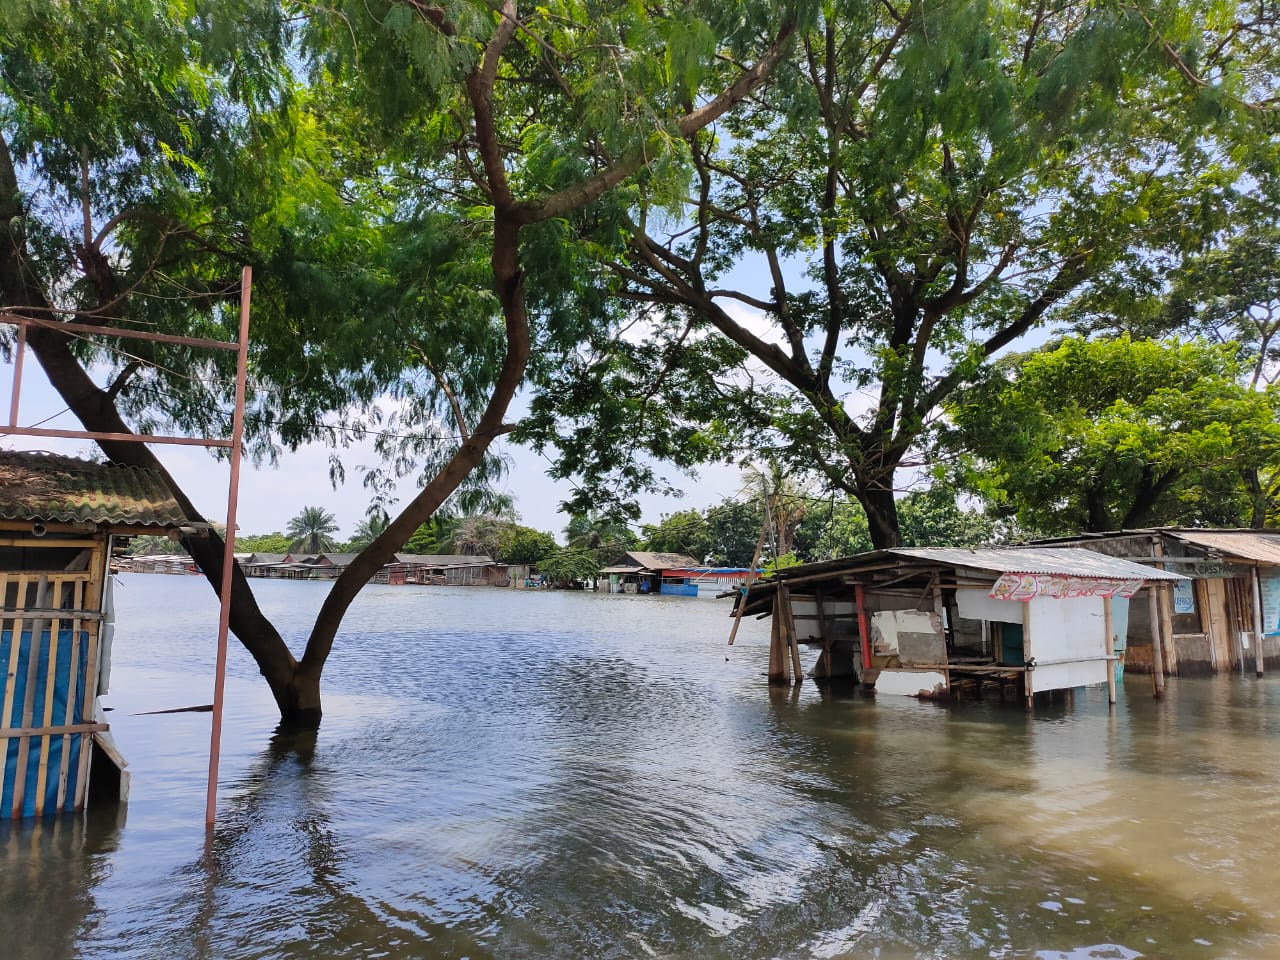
50	687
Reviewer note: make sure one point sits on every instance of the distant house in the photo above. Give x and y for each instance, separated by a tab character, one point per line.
449	569
643	571
61	519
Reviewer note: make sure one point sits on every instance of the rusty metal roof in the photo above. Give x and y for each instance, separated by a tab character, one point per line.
1065	561
46	486
1255	545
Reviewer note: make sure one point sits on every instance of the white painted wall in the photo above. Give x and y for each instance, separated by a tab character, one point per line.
976	605
1072	630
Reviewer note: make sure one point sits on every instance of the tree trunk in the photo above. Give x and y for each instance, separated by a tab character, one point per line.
882	515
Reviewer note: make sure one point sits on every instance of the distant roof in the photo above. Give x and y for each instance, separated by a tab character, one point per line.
257	558
1067	561
1257	545
338	559
46	486
444	559
661	561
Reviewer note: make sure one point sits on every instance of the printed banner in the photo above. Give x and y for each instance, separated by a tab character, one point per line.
1025	586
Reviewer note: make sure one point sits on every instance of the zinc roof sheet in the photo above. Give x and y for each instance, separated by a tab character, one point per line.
1248	545
47	486
1066	561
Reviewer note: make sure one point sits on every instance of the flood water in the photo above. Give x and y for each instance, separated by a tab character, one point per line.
538	774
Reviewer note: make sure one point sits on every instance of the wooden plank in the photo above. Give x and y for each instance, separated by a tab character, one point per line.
92	598
50	682
15	627
68	716
42	542
29	702
792	642
62	729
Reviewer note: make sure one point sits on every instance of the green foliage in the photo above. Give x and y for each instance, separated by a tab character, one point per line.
519	544
312	530
609	537
918	187
150	546
685	531
263	543
1109	434
570	565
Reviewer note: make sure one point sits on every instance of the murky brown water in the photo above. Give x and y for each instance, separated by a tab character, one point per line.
510	774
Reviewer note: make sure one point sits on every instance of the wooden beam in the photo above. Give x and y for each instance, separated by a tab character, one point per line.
53	731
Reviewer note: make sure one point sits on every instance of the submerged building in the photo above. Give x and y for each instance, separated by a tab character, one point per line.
60	520
932	620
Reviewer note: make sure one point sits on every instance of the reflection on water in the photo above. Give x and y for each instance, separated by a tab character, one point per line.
510	774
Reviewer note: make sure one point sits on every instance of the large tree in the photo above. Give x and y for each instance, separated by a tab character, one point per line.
404	204
918	186
1110	434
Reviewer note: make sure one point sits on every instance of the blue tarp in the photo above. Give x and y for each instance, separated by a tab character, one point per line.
66	677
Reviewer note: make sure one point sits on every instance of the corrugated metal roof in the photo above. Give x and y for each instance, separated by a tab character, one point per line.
1248	545
46	486
661	561
1066	561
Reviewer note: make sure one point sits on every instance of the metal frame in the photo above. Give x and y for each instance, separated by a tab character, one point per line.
235	445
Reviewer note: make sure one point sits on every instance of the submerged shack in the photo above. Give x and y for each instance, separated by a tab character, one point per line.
934	619
60	519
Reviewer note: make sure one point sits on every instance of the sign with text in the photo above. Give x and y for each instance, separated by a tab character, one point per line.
1027	586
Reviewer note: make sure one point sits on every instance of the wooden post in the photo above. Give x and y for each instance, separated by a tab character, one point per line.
789	624
823	635
1109	648
778	664
1166	627
229	548
1157	658
1259	630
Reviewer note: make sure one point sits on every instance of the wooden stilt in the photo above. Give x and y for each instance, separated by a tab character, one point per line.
1157	657
789	625
778	662
824	661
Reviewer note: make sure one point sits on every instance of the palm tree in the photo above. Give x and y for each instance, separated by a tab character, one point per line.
311	531
369	529
783	496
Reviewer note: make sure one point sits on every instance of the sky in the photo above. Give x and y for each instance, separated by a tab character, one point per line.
270	496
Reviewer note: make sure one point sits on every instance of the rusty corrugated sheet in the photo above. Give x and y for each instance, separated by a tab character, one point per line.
46	486
1247	545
